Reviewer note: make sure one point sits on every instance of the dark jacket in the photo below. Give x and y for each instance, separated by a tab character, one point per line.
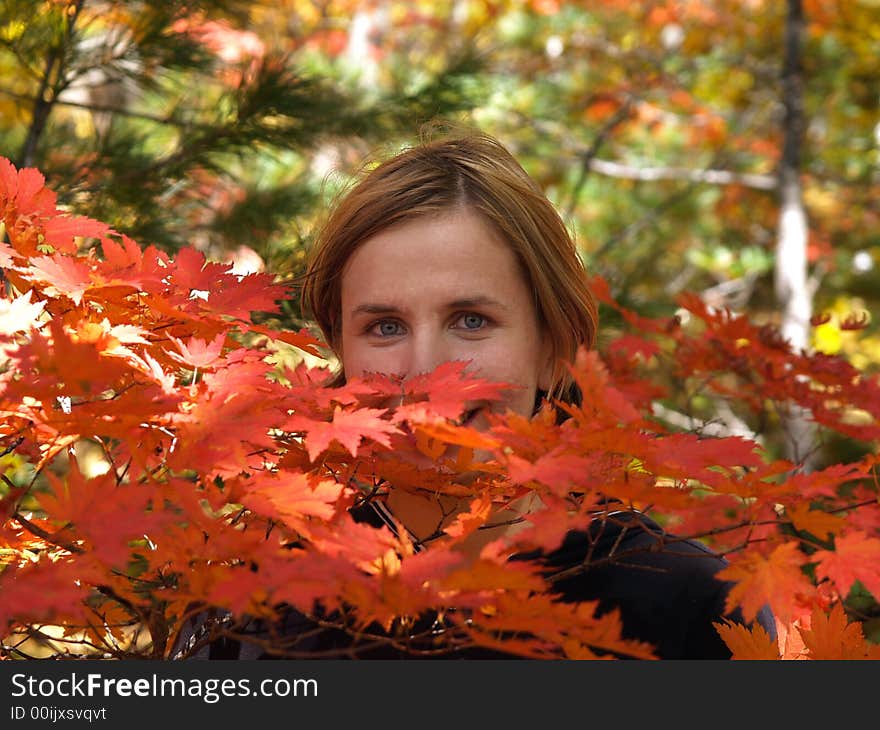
664	587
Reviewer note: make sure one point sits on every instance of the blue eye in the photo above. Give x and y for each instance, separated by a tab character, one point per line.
472	321
386	328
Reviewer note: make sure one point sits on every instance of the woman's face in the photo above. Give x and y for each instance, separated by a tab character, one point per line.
437	289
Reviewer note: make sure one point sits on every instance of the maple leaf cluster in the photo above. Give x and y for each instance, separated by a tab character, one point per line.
226	481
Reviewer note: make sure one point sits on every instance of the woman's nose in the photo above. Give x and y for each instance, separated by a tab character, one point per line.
428	350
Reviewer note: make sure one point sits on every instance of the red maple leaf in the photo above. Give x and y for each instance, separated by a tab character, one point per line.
449	433
198	354
212	288
348	427
25	203
62	363
687	456
218	434
23	192
548	526
856	557
32	195
66	276
558	470
105	514
149	366
61	232
445	390
465	523
239	296
192	272
48	591
125	263
601	402
359	543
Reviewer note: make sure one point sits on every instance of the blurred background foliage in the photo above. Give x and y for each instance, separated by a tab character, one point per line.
657	127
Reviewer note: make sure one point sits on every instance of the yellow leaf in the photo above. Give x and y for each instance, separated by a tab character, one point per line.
827	339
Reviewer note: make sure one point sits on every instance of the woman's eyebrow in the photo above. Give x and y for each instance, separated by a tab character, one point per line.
464	303
477	301
375	309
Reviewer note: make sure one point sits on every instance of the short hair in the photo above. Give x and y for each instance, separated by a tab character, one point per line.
470	170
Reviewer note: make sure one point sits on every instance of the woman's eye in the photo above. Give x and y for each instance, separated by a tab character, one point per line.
472	321
386	328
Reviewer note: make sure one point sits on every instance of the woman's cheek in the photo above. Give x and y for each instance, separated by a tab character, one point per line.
359	359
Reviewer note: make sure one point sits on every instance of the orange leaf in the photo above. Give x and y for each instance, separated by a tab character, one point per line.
790	641
465	436
777	580
747	643
302	339
432	448
448	388
466	522
104	513
831	637
819	523
486	575
291	497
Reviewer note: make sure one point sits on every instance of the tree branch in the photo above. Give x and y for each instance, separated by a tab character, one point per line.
101	108
727	424
42	104
590	153
714	177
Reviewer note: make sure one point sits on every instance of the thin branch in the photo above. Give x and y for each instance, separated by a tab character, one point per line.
621	170
590	153
122	111
12	447
47	536
713	177
652	215
728	424
23	62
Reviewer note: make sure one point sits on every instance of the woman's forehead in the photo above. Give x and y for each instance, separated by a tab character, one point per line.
458	256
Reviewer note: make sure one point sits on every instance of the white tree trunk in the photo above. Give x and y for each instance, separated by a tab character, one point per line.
791	277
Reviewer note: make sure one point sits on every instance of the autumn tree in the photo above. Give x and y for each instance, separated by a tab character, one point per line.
225	480
181	125
154	398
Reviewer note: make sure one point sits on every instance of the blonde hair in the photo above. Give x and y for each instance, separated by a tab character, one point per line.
474	171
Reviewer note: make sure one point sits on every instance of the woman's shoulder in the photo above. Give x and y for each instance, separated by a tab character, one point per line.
632	542
666	588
